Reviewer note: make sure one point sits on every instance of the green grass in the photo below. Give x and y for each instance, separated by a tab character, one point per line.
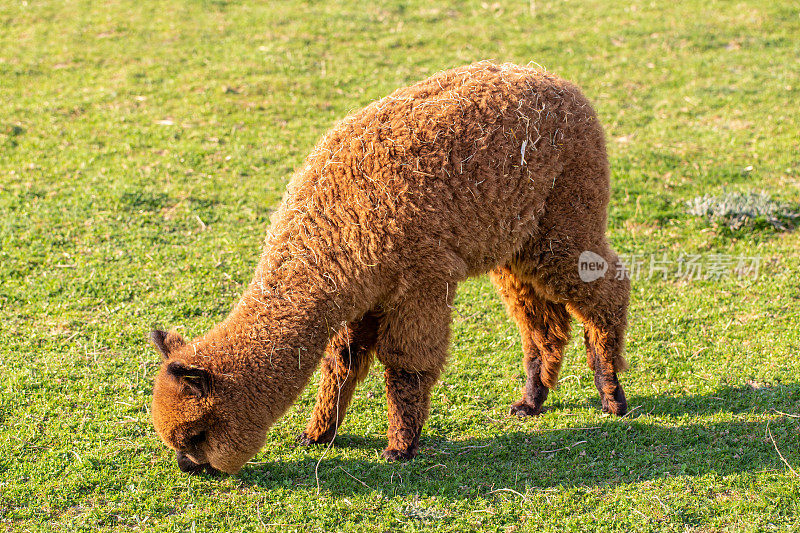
144	144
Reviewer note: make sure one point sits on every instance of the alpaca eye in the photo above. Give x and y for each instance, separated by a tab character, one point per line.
197	439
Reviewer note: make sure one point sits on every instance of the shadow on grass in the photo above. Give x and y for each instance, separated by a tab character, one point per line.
613	451
759	397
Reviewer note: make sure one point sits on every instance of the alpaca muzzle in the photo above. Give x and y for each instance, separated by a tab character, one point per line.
188	466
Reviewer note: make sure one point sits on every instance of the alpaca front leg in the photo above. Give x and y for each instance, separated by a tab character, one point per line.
336	388
412	345
346	363
408	396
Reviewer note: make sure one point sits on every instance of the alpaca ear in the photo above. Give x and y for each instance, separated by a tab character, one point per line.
197	380
166	342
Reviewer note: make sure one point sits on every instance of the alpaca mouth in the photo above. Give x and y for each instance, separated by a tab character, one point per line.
188	466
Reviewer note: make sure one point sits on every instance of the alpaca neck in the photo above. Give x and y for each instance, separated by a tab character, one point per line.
277	333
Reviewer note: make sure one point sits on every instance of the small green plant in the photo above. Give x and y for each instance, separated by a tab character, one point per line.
413	510
737	211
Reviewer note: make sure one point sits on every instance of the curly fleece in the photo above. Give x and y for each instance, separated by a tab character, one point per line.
483	168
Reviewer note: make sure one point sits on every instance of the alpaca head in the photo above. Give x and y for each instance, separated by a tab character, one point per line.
201	412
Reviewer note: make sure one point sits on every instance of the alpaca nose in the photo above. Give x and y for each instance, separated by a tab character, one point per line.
188	466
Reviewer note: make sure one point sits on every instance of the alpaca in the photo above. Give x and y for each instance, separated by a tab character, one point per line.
486	168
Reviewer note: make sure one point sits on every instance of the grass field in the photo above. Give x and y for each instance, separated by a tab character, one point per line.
143	146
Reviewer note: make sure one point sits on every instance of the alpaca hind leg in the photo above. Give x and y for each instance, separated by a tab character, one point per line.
570	261
601	304
544	327
604	330
346	363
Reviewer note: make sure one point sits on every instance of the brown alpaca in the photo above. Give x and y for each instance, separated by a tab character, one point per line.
484	168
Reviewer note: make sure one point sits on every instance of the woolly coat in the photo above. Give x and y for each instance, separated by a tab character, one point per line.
401	200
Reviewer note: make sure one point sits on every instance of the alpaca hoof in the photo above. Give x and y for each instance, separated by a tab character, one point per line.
305	440
616	405
522	409
391	455
614	408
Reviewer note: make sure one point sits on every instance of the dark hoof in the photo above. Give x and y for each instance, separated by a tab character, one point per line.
522	409
188	466
616	405
392	455
304	440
